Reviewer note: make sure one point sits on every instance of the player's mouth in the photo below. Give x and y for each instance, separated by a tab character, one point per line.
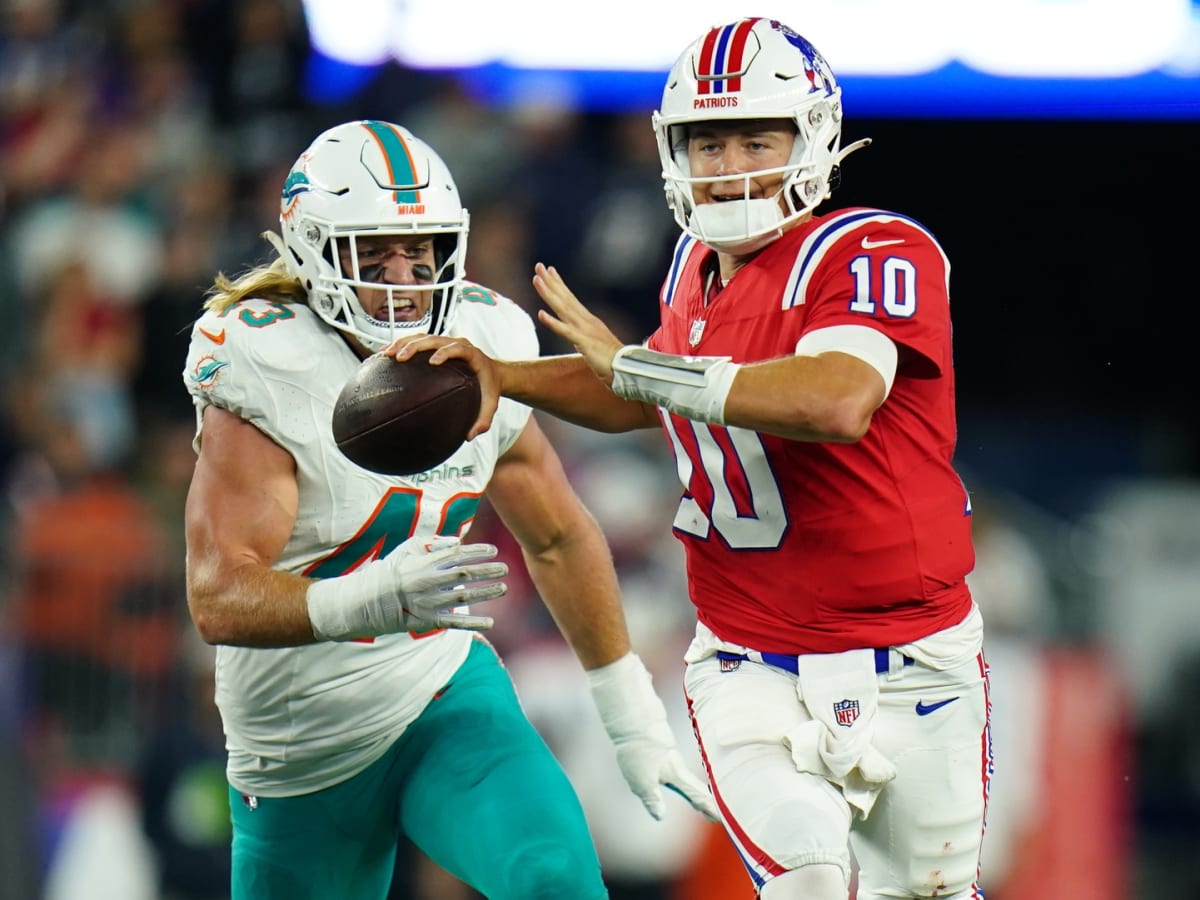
403	309
729	198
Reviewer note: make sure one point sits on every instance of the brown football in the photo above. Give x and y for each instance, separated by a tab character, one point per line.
403	418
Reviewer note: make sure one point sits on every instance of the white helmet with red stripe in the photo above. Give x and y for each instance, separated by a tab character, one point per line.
365	179
751	69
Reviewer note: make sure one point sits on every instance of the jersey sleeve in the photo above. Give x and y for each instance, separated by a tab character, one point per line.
253	361
889	273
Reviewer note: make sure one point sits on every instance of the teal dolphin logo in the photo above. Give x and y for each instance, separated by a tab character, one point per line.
297	183
207	370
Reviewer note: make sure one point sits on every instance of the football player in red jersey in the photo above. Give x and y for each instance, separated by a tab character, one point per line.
803	375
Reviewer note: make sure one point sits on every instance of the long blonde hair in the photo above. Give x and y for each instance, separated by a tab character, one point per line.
270	281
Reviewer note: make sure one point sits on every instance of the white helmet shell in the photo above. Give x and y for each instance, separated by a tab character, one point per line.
367	179
753	68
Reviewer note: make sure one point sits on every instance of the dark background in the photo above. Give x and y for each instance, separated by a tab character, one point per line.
1074	297
1073	287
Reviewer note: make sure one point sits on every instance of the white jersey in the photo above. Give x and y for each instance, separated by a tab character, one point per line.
300	719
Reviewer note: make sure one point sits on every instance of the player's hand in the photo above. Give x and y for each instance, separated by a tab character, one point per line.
574	323
636	721
430	585
416	587
485	368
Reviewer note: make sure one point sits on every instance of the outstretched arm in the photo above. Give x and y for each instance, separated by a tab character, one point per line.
562	386
827	394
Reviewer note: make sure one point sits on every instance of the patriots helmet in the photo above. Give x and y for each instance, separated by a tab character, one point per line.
754	68
367	179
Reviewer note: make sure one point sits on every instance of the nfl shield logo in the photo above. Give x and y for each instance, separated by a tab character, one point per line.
846	712
696	333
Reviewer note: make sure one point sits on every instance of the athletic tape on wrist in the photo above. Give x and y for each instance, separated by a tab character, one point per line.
695	387
624	694
342	608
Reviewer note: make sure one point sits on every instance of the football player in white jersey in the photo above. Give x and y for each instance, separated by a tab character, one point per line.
359	700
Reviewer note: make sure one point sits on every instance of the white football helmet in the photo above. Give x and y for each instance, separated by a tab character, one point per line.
753	68
364	179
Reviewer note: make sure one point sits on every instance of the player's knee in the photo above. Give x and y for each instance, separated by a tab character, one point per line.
817	882
550	872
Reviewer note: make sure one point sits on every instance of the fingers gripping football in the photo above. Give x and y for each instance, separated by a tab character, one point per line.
445	349
417	587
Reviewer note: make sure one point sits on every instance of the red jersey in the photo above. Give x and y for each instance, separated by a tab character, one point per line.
803	547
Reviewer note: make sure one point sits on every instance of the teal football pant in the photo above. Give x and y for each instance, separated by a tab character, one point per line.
470	782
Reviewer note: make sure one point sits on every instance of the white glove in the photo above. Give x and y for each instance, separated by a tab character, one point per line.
636	721
410	589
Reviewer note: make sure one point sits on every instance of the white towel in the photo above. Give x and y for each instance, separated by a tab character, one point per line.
841	692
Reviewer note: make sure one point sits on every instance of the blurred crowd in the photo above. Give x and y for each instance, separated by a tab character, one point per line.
144	143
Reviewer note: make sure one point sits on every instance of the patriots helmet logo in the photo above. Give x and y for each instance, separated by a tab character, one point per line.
820	75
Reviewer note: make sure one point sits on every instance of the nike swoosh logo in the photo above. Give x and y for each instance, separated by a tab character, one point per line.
924	709
218	338
868	244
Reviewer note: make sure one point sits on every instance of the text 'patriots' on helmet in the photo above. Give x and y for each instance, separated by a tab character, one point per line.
370	179
753	68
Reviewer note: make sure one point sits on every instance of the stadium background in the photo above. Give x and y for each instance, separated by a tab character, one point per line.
143	145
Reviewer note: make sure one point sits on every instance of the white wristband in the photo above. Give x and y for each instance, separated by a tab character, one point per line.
695	387
339	609
624	694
